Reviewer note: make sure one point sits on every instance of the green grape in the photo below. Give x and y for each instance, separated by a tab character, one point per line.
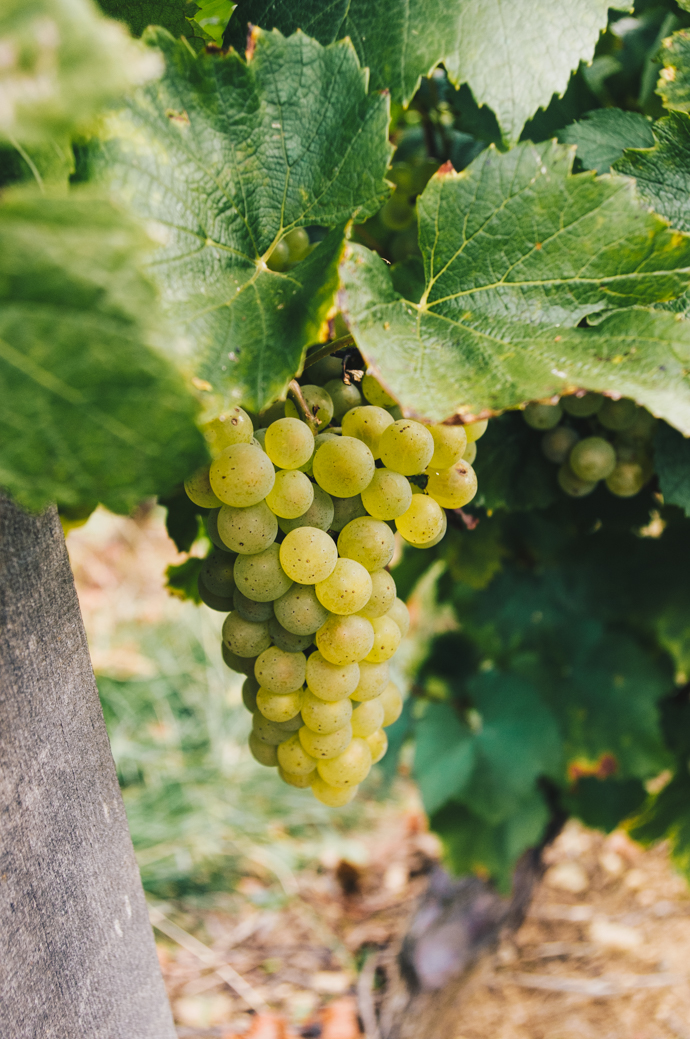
346	509
333	796
370	542
279	256
397	213
326	369
245	638
291	495
450	444
406	447
308	555
301	782
617	414
423	521
348	768
242	665
323	716
573	486
199	490
345	640
277	707
373	679
280	672
367	423
293	725
260	437
323	745
347	589
264	753
626	480
289	443
319	439
399	613
382	595
557	444
582	406
592	459
221	603
298	244
247	531
374	392
542	416
635	451
343	466
287	640
386	640
250	688
293	758
439	537
267	731
475	430
396	412
392	704
241	475
401	175
388	495
260	576
217	573
452	488
378	745
331	682
319	514
367	718
470	453
641	429
233	426
250	609
299	611
319	404
211	524
343	395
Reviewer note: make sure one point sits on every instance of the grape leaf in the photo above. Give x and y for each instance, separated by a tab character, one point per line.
603	803
662	172
602	136
672	464
666	817
62	61
182	579
90	410
212	19
674	81
226	157
511	469
138	14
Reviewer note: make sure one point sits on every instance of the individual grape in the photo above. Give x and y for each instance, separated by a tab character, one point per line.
343	466
242	665
344	396
319	514
452	488
386	640
211	525
331	682
382	595
233	426
346	509
293	725
322	745
592	459
293	757
241	475
280	672
626	480
345	640
250	609
267	731
217	573
392	704
301	782
470	453
641	429
325	716
423	521
373	679
348	768
450	443
347	589
406	447
397	213
260	576
374	392
439	537
333	796
396	412
557	444
400	614
367	423
199	490
542	416
475	430
573	486
378	745
299	611
367	718
388	495
289	443
247	531
582	406
250	687
319	405
220	603
637	452
279	256
326	369
287	640
370	542
291	494
260	437
308	555
617	414
245	638
264	753
277	707
298	244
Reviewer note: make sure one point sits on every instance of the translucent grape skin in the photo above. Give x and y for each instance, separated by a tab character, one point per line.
374	392
291	495
542	416
392	704
345	510
287	640
325	716
406	447
347	589
280	672
247	531
249	609
319	514
233	426
322	746
220	603
250	687
400	614
319	404
475	430
343	466
378	745
242	665
452	488
301	782
333	796
557	443
278	707
348	768
423	521
470	453
217	573
289	443
369	541
241	475
343	396
582	407
386	640
211	524
450	443
373	679
308	555
382	595
245	638
592	459
260	576
617	414
331	682
199	490
345	640
267	731
367	423
299	611
264	753
573	486
388	495
293	757
367	718
626	480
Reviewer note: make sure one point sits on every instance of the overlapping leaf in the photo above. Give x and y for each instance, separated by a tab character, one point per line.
662	172
602	136
226	157
674	82
672	463
138	14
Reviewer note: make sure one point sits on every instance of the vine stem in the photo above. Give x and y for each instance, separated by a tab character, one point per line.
325	349
295	393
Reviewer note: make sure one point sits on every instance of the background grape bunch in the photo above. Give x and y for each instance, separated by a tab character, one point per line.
303	504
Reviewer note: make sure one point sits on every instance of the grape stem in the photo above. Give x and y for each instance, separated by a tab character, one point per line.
295	393
325	349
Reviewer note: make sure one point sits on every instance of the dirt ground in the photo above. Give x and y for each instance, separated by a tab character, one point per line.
604	952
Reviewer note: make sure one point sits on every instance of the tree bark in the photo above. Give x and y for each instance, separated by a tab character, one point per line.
77	956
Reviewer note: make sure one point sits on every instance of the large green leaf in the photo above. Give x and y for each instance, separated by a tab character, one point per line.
662	173
91	412
227	157
602	136
138	14
672	463
674	82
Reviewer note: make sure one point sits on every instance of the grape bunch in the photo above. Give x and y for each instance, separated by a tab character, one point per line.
593	438
302	511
